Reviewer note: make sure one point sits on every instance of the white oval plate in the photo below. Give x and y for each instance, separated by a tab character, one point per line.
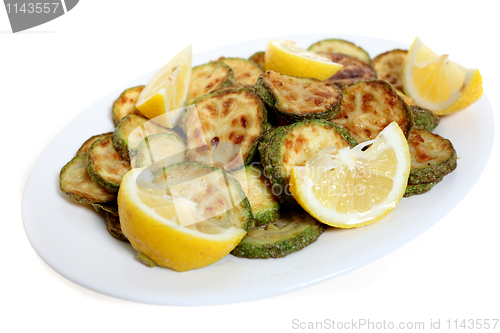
72	238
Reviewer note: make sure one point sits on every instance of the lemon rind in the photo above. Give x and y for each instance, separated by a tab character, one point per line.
311	64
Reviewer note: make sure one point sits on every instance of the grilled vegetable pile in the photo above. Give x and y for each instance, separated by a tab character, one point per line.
254	125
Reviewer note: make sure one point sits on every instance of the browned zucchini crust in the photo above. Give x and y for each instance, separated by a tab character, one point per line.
125	104
389	67
369	106
259	58
354	70
105	165
222	121
246	72
208	77
432	157
75	181
86	145
295	99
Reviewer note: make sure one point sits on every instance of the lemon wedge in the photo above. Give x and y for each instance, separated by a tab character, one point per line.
288	58
435	82
194	221
163	97
353	187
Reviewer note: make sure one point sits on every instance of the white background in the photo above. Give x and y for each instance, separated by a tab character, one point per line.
53	72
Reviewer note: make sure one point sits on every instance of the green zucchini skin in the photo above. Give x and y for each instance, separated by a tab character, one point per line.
240	215
105	165
122	132
424	118
131	131
75	181
432	157
208	77
265	206
369	106
145	260
113	226
354	70
295	99
293	145
159	150
86	145
259	58
275	240
336	45
241	120
420	188
125	104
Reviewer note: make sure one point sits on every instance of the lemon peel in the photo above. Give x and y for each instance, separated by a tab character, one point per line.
288	58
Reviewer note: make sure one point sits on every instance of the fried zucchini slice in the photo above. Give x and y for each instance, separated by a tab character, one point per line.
246	72
265	206
208	77
290	233
86	145
125	104
131	131
259	58
75	181
219	198
424	118
298	98
389	67
293	145
369	106
105	165
160	150
354	70
224	124
420	188
340	46
432	157
108	207
114	227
